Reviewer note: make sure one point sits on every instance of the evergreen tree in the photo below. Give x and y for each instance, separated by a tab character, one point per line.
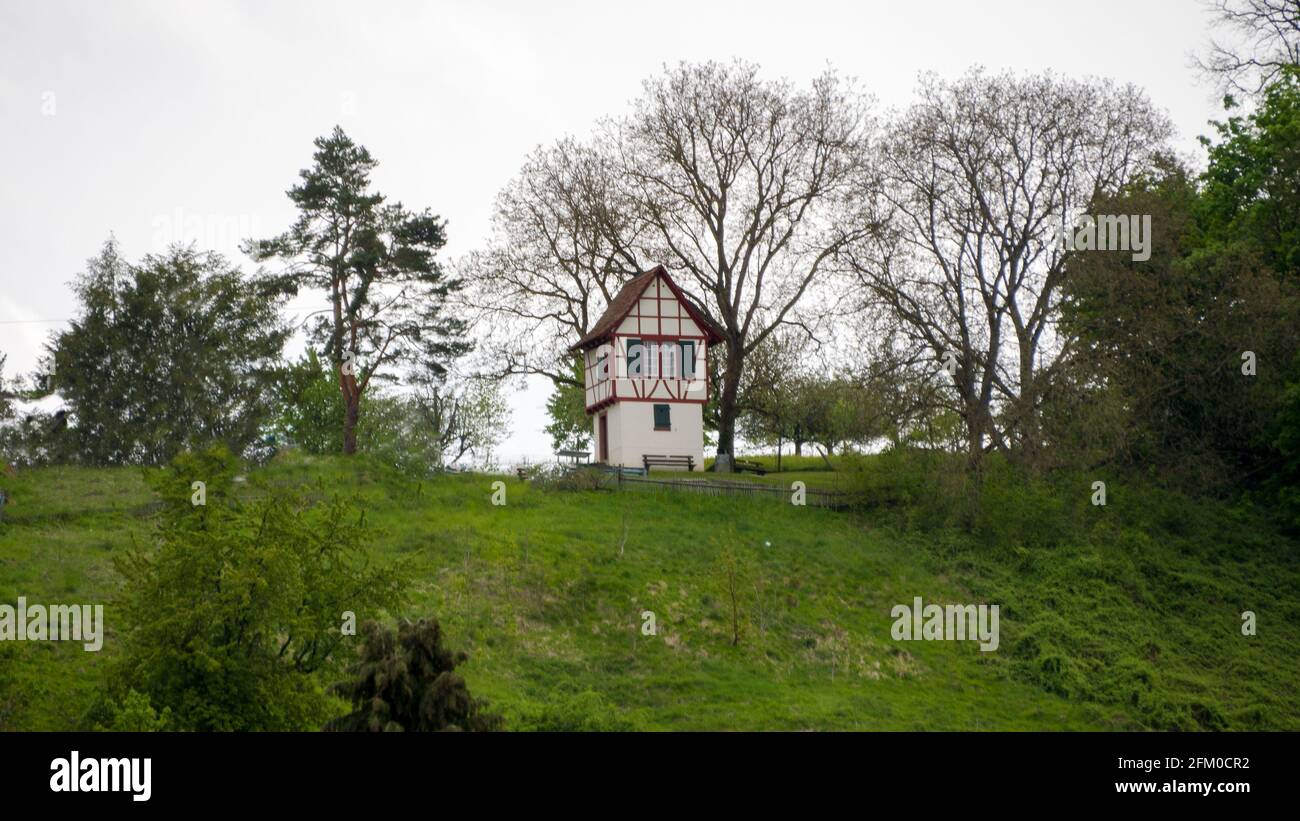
171	354
407	682
374	261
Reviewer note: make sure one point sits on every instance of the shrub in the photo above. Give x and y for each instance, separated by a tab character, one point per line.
134	714
309	407
732	581
240	603
916	488
564	477
1002	507
407	682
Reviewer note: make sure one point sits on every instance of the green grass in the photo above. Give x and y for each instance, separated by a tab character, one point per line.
813	479
1130	627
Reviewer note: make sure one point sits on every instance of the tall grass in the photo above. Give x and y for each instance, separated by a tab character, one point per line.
1137	603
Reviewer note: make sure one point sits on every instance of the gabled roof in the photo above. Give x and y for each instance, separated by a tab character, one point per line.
623	302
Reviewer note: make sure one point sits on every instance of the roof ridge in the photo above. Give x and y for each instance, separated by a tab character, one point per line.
623	301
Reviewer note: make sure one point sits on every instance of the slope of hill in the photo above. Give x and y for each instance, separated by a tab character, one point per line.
1136	628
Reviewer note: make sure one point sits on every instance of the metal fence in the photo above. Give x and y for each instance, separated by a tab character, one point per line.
712	487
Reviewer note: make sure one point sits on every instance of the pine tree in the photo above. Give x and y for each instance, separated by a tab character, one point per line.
375	263
407	682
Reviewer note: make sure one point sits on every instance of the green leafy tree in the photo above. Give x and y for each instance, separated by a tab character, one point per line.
7	434
134	714
309	408
1252	183
176	352
416	433
406	682
1160	349
570	427
375	263
228	618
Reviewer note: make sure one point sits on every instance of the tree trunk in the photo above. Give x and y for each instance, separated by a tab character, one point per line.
351	408
1028	422
974	438
350	417
727	410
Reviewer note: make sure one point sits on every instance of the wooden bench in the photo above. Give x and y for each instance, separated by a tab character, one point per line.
742	465
687	462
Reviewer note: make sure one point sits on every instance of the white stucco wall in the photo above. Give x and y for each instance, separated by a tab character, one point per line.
632	433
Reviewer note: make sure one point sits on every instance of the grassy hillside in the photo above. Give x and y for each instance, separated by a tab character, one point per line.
1133	626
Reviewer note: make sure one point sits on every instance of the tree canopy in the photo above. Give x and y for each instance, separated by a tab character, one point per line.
170	354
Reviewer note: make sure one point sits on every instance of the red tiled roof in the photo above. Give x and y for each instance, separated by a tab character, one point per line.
625	300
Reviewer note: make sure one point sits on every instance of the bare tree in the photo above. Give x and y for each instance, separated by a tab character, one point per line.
976	181
741	182
732	182
471	419
1264	39
556	258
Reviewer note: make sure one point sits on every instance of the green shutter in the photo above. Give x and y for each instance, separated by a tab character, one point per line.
661	417
687	369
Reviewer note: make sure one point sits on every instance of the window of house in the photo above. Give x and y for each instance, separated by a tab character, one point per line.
668	355
635	357
662	422
602	367
688	360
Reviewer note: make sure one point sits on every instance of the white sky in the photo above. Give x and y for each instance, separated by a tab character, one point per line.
189	120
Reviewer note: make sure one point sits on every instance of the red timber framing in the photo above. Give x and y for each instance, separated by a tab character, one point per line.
642	311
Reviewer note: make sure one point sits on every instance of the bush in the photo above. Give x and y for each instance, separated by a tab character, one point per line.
228	619
392	430
407	683
134	714
912	488
309	407
568	478
1002	507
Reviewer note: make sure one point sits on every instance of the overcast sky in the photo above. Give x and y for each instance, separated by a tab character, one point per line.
161	121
